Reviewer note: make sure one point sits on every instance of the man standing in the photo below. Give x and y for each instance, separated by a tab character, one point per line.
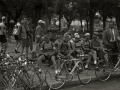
39	33
18	27
31	31
110	38
24	37
3	39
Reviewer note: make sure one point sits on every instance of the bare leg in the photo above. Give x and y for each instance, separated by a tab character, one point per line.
39	61
95	57
88	60
22	50
18	45
54	63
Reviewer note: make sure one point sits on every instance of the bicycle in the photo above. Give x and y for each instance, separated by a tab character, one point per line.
105	67
56	81
3	83
20	75
3	67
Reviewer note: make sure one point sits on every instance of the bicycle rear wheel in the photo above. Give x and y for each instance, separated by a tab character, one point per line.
103	71
84	75
55	80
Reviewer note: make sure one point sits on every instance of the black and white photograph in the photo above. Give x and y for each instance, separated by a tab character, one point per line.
59	44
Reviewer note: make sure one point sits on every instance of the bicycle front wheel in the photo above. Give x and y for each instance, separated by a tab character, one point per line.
3	84
84	75
102	71
55	80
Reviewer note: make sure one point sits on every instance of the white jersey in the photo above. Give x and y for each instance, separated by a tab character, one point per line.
2	28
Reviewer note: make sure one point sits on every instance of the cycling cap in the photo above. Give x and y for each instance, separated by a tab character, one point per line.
87	34
113	19
41	21
77	35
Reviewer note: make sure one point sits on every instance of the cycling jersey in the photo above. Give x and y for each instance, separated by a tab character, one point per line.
95	43
47	47
86	45
64	48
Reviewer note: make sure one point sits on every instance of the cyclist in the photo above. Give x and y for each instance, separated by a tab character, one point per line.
47	52
86	46
3	39
64	49
77	45
96	47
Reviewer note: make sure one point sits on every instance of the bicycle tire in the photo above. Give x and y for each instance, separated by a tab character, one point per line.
53	80
84	75
3	84
29	79
102	71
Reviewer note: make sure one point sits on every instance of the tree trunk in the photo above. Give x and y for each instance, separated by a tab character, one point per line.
81	25
91	23
87	21
36	16
92	13
60	16
104	21
118	19
68	23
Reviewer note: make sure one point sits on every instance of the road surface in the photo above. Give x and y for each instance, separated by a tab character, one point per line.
111	84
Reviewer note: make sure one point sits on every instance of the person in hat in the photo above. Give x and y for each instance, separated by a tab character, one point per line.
111	37
95	49
77	45
53	26
39	33
3	31
47	51
86	45
64	49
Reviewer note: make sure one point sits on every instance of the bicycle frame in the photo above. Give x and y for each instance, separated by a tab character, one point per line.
76	61
116	67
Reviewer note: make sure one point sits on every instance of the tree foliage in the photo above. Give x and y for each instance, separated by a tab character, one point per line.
70	9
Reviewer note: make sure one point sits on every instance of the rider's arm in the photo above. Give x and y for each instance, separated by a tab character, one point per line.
105	38
70	50
73	48
85	48
95	45
54	49
41	51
